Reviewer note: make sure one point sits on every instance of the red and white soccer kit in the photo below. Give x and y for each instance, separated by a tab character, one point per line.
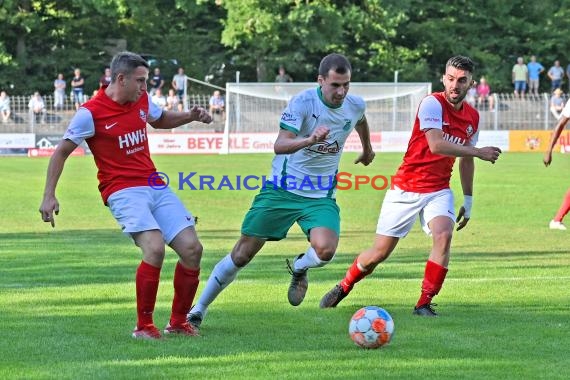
117	136
421	184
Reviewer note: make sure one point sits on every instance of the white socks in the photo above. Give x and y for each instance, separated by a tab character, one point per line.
309	260
223	274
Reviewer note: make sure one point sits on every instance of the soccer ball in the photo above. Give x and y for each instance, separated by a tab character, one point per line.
371	327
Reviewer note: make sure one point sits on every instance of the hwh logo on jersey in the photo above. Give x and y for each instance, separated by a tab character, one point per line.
132	138
453	139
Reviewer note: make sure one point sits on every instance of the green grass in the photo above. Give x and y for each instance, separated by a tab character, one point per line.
67	302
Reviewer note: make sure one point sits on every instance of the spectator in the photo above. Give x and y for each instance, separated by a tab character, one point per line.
484	95
179	84
557	103
534	71
59	92
5	106
283	77
217	105
159	99
556	74
105	79
37	108
156	81
77	85
568	75
172	101
520	77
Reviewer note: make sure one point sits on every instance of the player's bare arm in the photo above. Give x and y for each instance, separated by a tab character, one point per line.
466	174
367	155
547	159
173	119
50	205
287	142
438	145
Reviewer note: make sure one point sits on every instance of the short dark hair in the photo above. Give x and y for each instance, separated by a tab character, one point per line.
126	62
461	62
336	62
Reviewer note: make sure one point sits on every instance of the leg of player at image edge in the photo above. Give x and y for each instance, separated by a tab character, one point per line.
556	223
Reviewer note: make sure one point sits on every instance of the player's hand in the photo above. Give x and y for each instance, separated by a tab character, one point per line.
319	134
462	220
365	157
200	114
48	207
547	159
490	153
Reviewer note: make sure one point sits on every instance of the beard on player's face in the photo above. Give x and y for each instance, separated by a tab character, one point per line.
455	93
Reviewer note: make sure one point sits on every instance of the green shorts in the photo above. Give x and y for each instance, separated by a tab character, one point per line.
274	211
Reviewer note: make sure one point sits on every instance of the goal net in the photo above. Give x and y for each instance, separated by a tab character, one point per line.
255	108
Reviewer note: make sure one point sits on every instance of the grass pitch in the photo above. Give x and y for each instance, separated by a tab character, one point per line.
67	295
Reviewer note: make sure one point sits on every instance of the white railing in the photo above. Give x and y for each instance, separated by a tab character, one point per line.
22	120
510	113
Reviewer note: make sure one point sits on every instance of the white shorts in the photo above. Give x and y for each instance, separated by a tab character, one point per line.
400	209
143	208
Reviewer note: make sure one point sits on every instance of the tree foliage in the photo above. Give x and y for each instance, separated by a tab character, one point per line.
39	39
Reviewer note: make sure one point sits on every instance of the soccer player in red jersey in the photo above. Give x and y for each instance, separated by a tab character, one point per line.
445	127
556	223
114	126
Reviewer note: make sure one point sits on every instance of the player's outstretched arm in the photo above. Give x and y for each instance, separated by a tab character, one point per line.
367	155
438	145
173	119
50	205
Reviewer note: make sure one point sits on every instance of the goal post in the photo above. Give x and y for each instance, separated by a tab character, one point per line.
255	108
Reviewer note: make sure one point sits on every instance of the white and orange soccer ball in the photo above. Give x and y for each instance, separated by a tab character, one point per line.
371	327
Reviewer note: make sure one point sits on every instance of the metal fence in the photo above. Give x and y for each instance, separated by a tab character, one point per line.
509	113
22	120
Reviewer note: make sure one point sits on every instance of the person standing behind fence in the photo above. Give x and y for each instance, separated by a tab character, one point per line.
59	92
105	79
172	101
556	223
217	105
556	74
5	106
520	77
156	81
179	84
282	76
534	71
556	103
484	95
77	86
568	76
37	108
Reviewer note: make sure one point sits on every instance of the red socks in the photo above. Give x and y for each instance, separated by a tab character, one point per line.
353	275
185	285
433	281
564	208
147	278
